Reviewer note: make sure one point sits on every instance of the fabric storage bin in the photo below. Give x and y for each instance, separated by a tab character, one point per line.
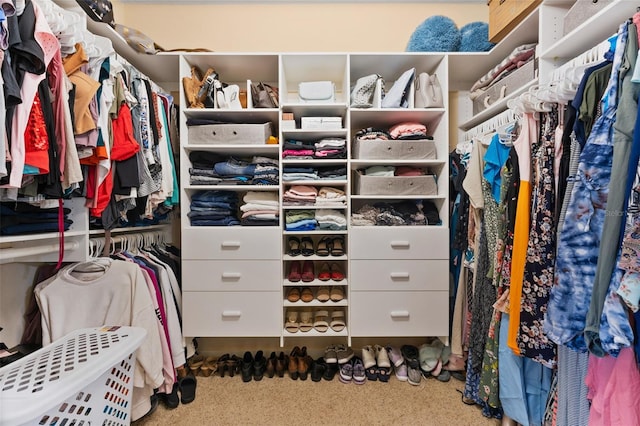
505	86
232	133
505	15
395	185
321	123
580	12
374	149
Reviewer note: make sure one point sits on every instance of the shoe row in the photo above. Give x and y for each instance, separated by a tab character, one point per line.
376	363
306	272
321	294
325	246
321	320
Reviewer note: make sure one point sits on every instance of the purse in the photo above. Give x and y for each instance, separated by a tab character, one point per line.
264	95
398	96
316	92
428	91
193	85
363	91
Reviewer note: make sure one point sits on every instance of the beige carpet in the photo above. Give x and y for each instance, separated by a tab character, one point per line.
282	401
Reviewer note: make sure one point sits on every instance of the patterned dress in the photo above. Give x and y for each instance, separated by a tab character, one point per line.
539	268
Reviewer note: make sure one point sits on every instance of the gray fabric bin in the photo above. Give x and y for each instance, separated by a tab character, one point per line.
395	185
380	149
240	134
582	11
509	84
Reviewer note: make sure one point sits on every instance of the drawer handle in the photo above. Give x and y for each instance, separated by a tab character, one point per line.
400	244
231	275
231	314
400	315
399	275
231	245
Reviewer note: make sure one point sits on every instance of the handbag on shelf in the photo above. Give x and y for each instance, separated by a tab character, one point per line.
193	87
363	91
264	95
428	91
398	96
316	92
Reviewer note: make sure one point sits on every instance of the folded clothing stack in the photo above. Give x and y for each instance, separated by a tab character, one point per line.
24	218
260	208
331	219
293	173
329	196
214	208
300	195
212	169
324	148
403	213
300	220
520	56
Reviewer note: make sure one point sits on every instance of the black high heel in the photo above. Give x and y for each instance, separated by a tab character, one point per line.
306	246
223	367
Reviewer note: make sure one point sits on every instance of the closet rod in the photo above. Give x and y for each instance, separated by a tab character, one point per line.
8	255
502	119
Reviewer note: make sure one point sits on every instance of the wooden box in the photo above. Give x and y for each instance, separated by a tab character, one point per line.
505	15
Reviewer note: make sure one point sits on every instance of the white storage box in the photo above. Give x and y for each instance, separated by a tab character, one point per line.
84	378
379	149
395	185
233	134
321	123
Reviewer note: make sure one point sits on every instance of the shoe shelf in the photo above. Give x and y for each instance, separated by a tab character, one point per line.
316	304
313	283
316	333
287	257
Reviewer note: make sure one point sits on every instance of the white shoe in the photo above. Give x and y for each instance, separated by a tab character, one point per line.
382	357
368	356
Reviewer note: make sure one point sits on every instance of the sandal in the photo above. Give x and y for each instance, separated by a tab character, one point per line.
337	321
337	294
323	294
195	364
324	246
321	323
209	366
306	321
336	272
293	295
294	246
295	271
292	325
306	246
337	246
325	272
307	295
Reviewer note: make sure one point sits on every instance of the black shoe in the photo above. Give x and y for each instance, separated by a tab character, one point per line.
188	389
259	366
330	371
411	356
171	400
271	365
246	368
317	369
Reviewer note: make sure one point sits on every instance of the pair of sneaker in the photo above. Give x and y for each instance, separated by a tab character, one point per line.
338	354
376	363
353	371
397	361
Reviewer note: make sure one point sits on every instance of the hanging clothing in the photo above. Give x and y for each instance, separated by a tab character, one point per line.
580	237
540	262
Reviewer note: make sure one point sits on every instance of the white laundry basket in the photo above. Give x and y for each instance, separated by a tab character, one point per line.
85	378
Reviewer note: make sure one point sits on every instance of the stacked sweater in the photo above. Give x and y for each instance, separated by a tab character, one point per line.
331	219
300	220
300	195
260	208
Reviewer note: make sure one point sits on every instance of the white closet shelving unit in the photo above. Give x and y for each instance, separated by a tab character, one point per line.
396	282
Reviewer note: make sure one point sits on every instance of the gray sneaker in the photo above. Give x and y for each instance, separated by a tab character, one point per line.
415	376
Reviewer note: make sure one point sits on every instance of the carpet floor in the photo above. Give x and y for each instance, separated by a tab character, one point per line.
280	401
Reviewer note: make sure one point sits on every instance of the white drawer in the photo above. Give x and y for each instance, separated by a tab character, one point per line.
399	275
231	275
409	313
399	243
229	314
231	243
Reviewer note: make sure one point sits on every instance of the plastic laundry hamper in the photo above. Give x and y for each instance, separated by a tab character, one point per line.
85	378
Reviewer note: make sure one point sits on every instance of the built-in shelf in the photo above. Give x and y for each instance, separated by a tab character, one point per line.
130	229
43	236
